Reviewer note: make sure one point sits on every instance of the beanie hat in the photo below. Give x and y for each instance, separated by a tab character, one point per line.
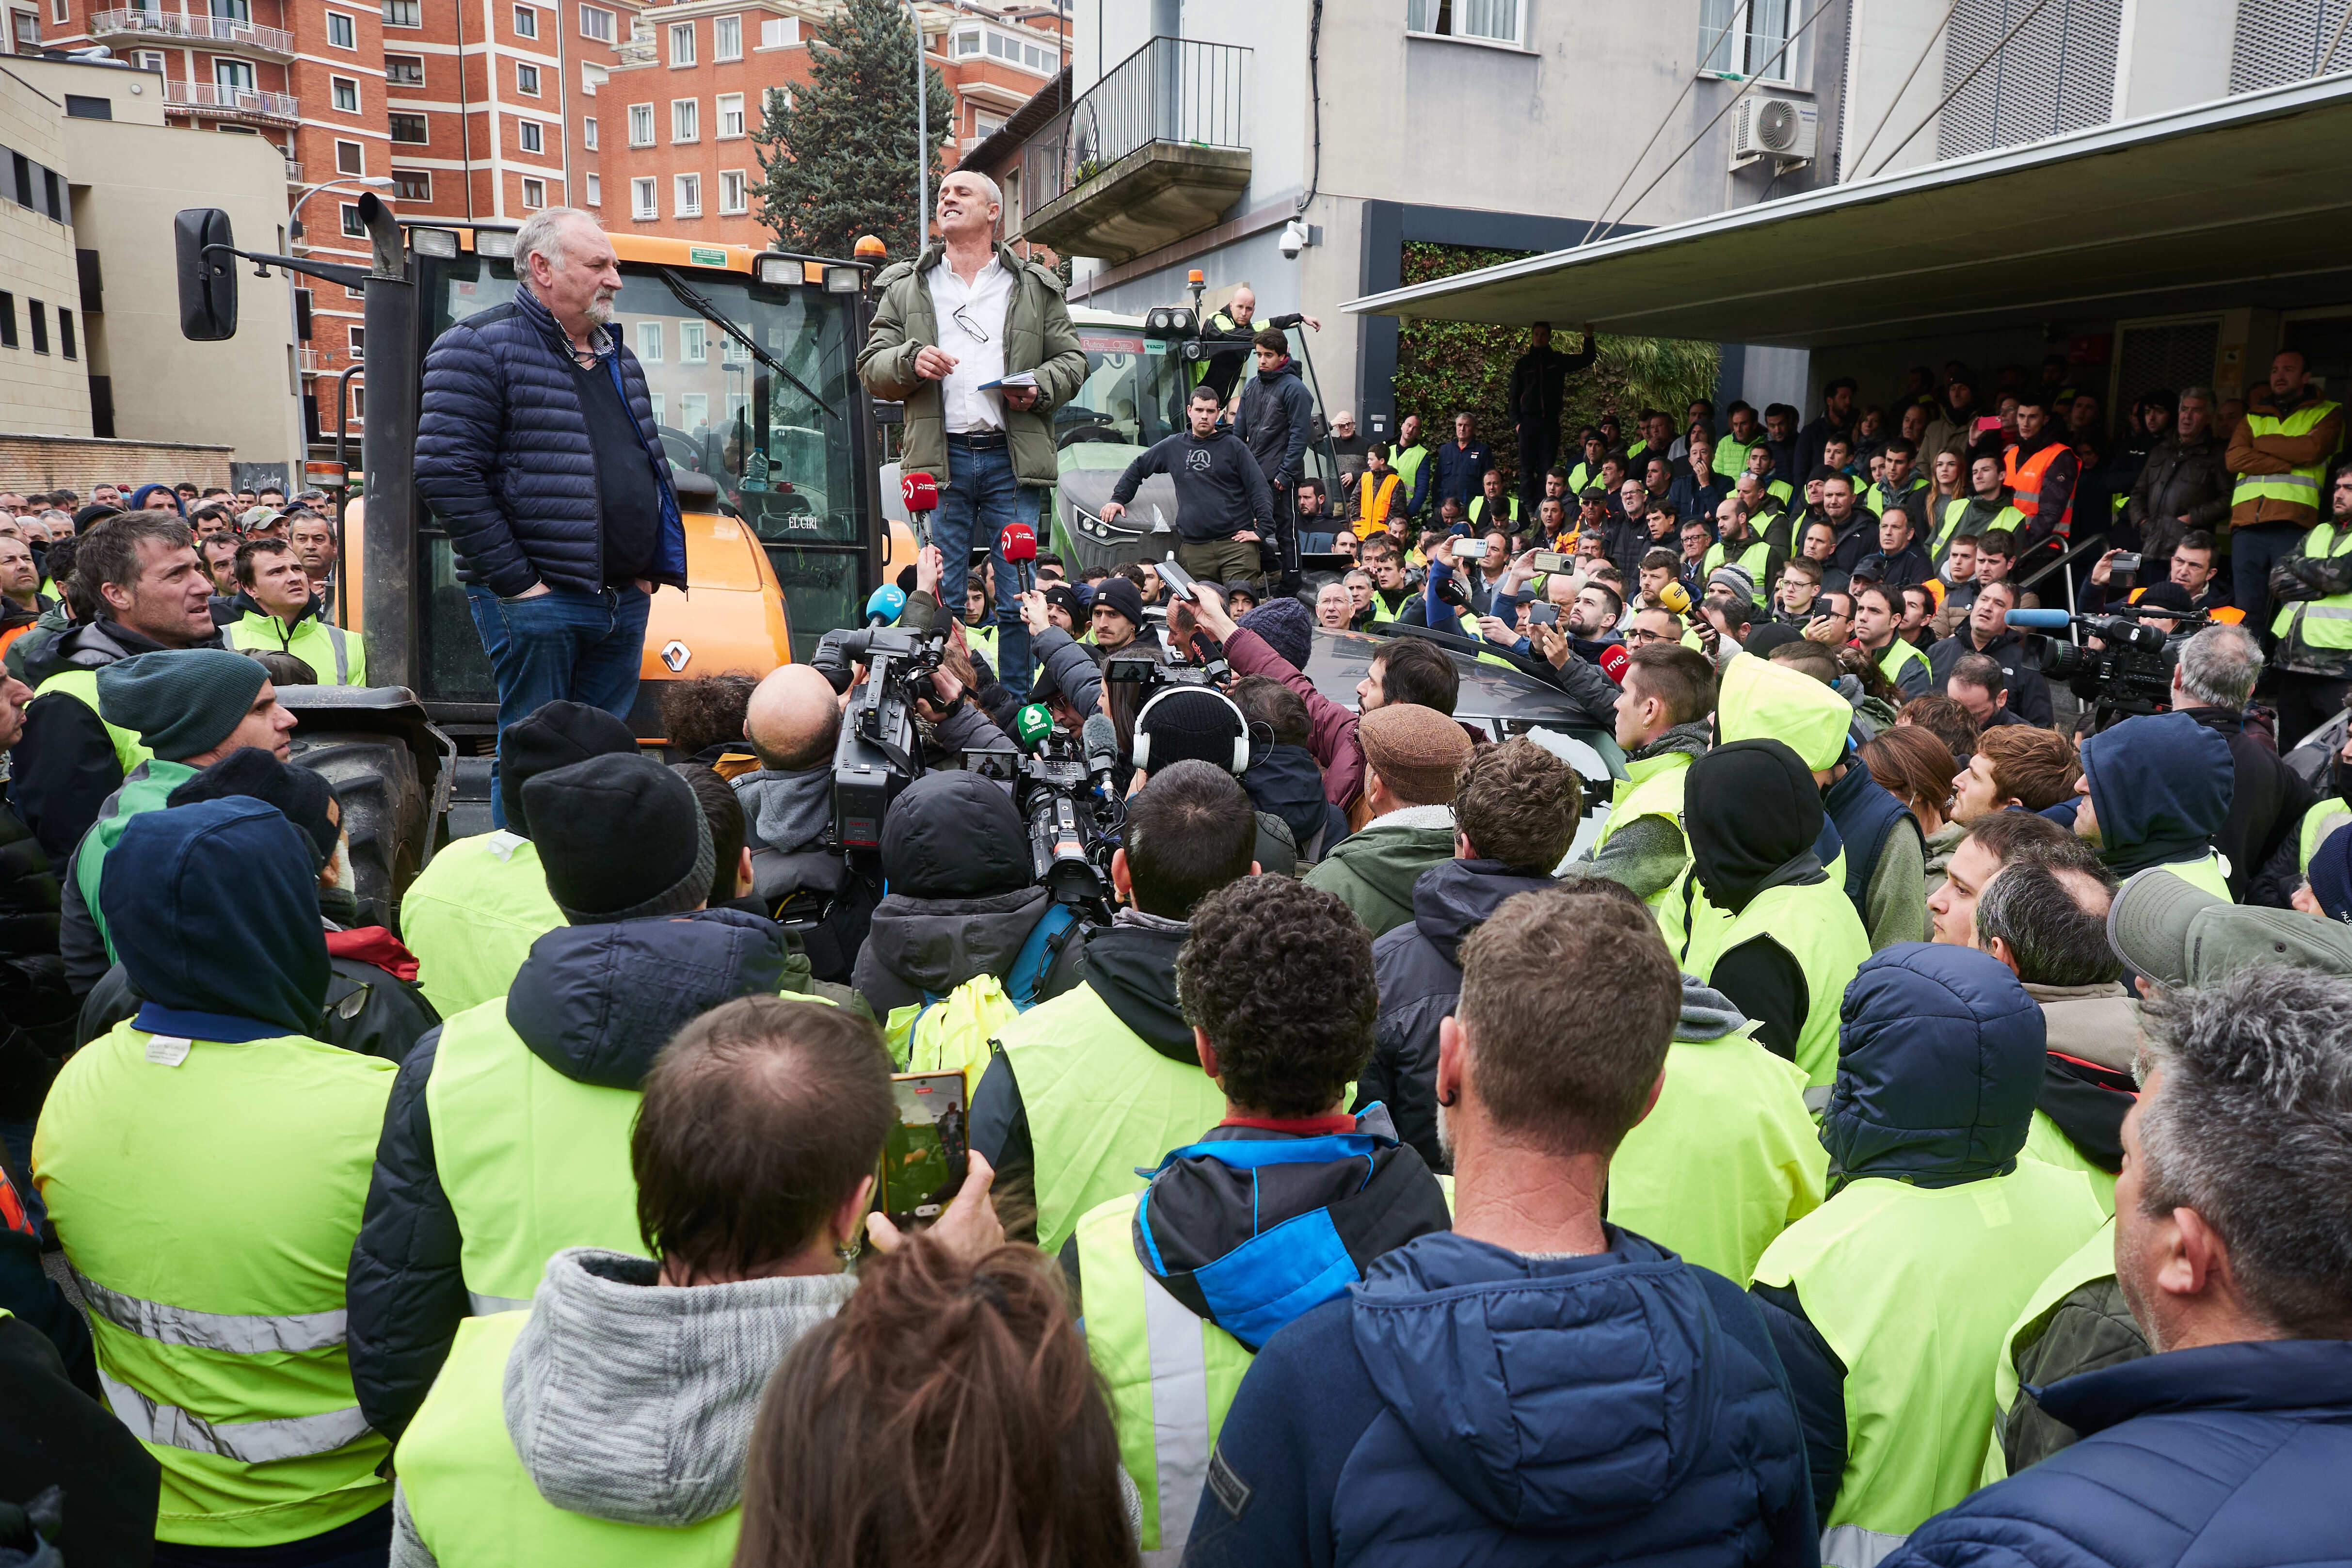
250	771
2331	875
1123	595
2167	596
90	516
1416	751
621	838
555	736
1190	723
955	835
179	701
1068	600
1735	577
1284	626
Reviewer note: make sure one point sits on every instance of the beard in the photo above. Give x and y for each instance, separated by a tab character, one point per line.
1445	1135
600	310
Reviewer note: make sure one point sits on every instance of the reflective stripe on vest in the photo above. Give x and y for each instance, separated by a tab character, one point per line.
1171	1377
1851	1546
246	1442
2329	620
1914	1290
2317	822
81	685
2025	483
531	1162
1100	1103
2299	485
235	1332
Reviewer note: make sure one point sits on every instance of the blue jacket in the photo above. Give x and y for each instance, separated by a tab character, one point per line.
503	460
2227	1454
1452	470
1467	1404
2161	785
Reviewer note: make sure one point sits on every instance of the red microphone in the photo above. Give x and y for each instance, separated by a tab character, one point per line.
1018	545
921	493
1613	662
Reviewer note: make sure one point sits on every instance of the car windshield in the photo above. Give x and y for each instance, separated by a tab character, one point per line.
1133	395
778	447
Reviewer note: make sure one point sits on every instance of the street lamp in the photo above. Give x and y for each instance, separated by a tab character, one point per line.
294	212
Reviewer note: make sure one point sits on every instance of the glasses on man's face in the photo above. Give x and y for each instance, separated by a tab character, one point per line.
1637	636
962	316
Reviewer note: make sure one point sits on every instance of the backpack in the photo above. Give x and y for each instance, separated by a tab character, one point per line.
952	1033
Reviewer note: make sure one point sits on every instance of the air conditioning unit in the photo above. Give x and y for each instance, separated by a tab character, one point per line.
1786	130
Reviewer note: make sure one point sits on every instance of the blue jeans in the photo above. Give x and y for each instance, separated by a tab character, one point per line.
982	493
2253	552
561	644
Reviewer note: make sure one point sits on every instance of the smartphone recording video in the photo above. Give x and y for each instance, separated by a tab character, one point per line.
926	1155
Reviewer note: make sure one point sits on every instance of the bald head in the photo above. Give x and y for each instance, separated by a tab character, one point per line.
792	719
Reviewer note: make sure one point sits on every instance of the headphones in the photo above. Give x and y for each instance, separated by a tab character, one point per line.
1241	726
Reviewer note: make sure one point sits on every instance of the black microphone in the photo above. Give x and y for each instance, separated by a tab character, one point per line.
1100	738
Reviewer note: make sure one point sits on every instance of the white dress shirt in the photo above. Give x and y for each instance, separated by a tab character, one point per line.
984	303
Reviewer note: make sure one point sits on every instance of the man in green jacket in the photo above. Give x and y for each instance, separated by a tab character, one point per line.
978	344
1410	757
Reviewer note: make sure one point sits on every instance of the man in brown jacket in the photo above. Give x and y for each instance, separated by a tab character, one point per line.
2280	452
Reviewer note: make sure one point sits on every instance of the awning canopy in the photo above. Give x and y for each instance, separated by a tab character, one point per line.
2239	202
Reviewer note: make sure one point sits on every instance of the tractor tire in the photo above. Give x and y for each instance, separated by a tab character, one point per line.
387	812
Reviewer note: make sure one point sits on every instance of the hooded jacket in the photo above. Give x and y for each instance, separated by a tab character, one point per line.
1373	871
1207	1227
597	1002
1755	821
1286	783
1274	417
628	1402
2267	799
2211	1453
66	765
1939	1064
2161	785
1469	1405
194	882
1418	966
36	1006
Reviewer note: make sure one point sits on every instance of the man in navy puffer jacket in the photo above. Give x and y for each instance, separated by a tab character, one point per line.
537	450
1536	1385
2233	1246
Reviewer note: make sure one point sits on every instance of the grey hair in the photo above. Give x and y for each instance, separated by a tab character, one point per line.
2253	1129
2220	665
2054	939
2203	394
988	188
541	234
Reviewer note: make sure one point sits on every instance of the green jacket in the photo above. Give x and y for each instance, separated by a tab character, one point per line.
1038	338
1373	872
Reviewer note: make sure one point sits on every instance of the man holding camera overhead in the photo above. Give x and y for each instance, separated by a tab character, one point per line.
978	344
1223	506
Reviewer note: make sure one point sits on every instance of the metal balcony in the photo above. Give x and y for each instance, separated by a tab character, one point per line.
293	173
228	32
210	100
1153	151
306	361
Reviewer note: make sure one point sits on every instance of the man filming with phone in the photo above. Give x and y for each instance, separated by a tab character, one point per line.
1223	506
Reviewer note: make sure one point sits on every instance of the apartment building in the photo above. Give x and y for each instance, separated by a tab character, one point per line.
91	360
673	127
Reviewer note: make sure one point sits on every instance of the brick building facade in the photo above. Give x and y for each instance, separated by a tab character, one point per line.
641	113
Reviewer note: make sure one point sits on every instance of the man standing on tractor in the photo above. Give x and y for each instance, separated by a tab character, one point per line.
537	450
978	343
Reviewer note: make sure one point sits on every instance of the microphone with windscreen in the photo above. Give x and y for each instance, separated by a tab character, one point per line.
1018	544
1100	739
1613	662
882	605
921	494
2039	620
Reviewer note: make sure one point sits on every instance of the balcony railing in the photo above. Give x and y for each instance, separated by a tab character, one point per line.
235	32
293	173
210	99
1179	91
306	361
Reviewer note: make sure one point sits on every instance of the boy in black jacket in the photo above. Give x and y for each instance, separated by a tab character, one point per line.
1222	505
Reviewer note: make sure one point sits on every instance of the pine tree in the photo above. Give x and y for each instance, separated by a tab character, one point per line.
839	160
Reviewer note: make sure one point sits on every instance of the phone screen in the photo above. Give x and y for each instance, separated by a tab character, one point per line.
925	1154
1545	614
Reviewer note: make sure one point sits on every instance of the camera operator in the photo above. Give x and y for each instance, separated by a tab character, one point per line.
2191	570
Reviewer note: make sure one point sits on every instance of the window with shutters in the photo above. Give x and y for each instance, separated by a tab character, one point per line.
689	196
595	190
734	192
2056	74
588	134
346	94
779	32
2280	41
643	203
535	195
730	107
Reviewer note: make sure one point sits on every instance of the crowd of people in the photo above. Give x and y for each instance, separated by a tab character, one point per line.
1915	1128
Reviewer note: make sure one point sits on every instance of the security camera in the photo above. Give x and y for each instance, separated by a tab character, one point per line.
1294	239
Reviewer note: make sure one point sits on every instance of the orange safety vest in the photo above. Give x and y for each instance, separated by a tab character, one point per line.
2227	615
2025	483
1374	513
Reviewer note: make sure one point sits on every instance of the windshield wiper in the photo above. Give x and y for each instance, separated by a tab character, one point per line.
696	301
